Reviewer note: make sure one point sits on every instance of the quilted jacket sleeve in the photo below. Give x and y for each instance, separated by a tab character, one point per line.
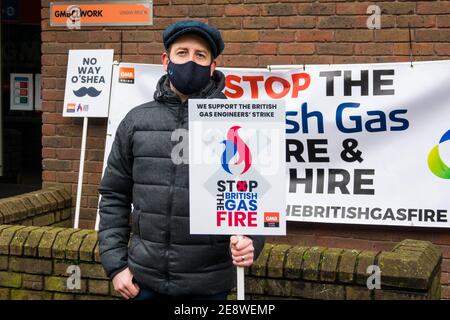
115	204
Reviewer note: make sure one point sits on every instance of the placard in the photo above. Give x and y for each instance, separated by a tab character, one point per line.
88	83
237	164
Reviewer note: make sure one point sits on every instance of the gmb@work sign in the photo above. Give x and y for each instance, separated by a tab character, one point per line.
365	144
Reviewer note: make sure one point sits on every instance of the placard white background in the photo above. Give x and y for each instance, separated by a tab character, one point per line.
265	140
98	106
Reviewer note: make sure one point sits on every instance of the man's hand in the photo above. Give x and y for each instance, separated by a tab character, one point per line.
242	251
123	283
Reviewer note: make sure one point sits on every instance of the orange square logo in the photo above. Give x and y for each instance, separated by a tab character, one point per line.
126	75
271	219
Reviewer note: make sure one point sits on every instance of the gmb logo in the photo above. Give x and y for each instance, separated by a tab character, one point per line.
435	162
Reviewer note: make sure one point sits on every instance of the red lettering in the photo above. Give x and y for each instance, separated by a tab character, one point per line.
296	86
253	84
299	82
238	91
252	219
236	218
239	219
220	217
269	87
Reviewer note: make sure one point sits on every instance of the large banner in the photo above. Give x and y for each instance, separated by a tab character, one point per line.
365	144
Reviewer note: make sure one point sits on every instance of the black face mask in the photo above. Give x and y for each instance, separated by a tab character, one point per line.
189	77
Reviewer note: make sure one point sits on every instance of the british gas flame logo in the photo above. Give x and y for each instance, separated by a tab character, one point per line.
435	162
235	146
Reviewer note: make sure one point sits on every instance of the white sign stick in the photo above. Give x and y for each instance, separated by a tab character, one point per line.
240	280
80	173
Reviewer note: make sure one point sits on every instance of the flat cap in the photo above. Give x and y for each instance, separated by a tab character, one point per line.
209	33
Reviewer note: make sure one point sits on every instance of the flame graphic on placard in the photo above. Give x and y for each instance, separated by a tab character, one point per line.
234	145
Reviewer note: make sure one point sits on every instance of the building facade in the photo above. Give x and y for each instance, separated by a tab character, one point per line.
257	33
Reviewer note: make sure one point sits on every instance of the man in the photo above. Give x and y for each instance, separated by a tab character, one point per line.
162	259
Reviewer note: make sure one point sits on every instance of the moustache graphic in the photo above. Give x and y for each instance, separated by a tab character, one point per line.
91	92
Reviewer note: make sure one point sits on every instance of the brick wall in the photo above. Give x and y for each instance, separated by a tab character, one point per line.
257	33
411	271
35	262
49	207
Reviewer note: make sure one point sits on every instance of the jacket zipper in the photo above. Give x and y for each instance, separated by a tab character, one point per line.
169	210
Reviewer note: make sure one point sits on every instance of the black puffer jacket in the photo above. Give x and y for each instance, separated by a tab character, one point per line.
161	253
